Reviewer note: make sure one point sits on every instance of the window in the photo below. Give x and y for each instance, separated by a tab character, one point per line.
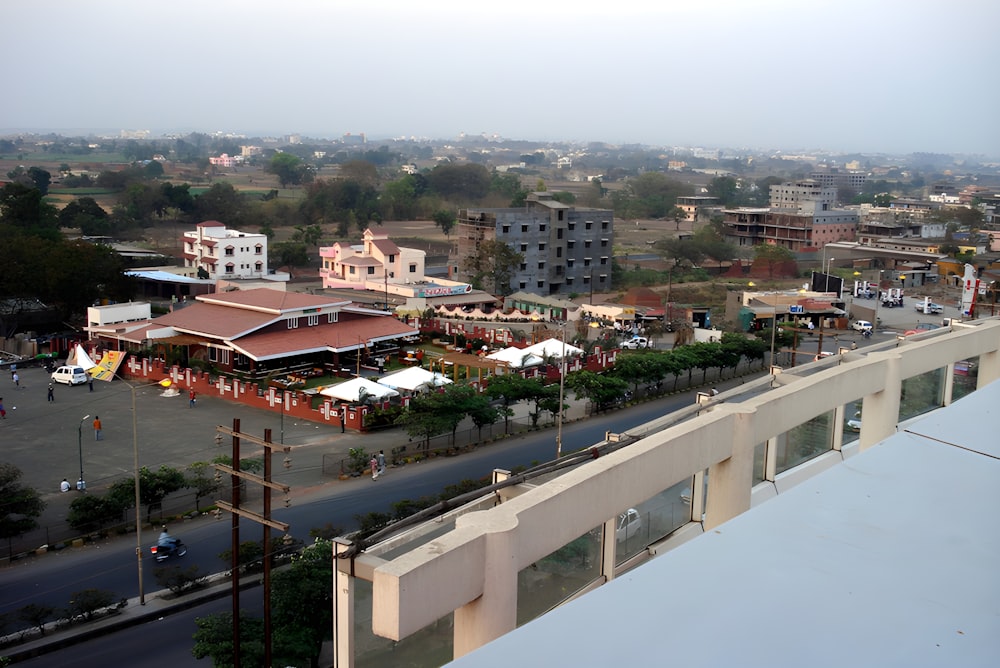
505	229
350	270
522	285
559	234
413	268
541	247
371	271
586	244
571	244
541	265
541	284
589	225
586	262
392	258
524	266
524	248
569	280
258	267
229	268
213	354
604	225
332	317
313	320
569	262
258	249
524	228
541	228
560	214
604	243
293	323
571	226
559	251
604	260
229	251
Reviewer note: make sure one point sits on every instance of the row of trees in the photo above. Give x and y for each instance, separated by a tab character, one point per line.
441	412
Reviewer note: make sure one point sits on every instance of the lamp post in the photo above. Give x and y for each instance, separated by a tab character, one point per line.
562	385
135	474
826	274
80	484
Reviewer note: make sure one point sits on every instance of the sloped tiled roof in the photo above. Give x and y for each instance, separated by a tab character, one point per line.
215	320
337	336
266	299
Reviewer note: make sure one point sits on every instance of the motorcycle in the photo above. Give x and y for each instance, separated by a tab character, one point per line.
172	547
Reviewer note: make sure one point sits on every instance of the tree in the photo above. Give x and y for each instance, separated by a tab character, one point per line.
93	512
201	482
23	208
444	219
289	169
724	188
510	388
601	390
772	255
214	639
41	178
88	602
221	202
83	212
302	600
21	505
467	182
360	171
492	266
310	235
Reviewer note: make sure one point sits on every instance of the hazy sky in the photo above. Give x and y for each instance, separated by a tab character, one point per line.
845	75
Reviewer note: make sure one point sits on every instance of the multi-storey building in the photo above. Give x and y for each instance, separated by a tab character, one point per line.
850	181
565	249
801	217
225	253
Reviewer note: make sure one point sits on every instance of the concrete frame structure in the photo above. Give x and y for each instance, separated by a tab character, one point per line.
472	569
225	253
566	249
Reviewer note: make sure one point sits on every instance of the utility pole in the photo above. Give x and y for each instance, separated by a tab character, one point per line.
236	475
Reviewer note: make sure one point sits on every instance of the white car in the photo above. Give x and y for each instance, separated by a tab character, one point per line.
861	326
854	424
629	525
71	375
636	342
929	307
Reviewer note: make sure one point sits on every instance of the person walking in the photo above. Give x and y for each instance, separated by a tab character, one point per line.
191	396
90	382
381	462
97	428
52	396
374	467
17	380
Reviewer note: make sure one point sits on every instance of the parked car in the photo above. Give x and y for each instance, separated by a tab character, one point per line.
854	424
861	326
921	327
629	525
636	342
928	307
70	375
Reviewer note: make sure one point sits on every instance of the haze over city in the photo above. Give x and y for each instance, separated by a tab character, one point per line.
846	75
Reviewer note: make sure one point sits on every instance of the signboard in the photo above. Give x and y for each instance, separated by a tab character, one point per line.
796	308
444	291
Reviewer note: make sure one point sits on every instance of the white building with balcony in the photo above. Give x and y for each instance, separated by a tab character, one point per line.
215	252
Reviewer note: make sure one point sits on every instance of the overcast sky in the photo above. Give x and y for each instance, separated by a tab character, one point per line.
843	75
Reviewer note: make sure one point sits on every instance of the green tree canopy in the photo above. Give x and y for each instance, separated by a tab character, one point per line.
465	182
289	169
19	505
492	266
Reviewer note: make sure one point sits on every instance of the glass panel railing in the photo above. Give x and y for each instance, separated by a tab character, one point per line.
965	378
852	422
921	394
804	442
554	578
429	647
653	519
759	462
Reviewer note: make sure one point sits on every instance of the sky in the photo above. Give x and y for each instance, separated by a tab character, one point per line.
871	76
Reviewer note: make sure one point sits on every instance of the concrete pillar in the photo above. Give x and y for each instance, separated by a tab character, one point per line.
697	496
608	546
989	369
771	459
838	427
949	384
343	612
880	411
495	612
730	481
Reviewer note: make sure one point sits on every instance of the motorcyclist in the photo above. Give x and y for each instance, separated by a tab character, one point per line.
166	540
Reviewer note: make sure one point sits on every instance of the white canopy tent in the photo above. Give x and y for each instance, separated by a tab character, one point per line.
352	390
79	357
517	358
553	348
413	379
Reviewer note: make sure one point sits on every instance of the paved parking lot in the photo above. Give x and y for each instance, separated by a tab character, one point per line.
45	439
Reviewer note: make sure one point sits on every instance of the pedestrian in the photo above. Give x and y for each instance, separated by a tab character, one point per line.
52	396
64	485
381	462
97	428
90	382
16	379
3	412
191	396
374	467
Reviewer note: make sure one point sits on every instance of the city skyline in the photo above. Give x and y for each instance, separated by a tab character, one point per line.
847	76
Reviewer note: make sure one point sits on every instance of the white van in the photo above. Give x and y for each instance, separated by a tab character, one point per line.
71	375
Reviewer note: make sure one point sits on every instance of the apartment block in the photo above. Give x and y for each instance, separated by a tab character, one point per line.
225	253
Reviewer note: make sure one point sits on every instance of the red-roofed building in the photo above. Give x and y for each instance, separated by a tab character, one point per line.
261	331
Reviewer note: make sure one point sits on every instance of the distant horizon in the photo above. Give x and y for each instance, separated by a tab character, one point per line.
155	134
891	77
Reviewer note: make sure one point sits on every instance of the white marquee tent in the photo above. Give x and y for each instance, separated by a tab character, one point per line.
517	358
351	390
413	379
553	348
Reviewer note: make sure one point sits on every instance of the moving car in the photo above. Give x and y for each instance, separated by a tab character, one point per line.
636	342
861	326
70	375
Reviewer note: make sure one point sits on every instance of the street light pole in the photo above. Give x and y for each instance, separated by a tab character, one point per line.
80	484
562	385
